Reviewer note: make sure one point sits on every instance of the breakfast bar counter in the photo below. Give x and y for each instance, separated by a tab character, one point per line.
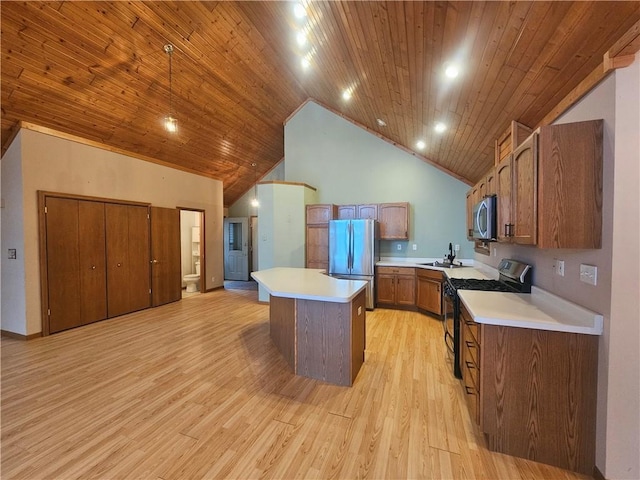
317	322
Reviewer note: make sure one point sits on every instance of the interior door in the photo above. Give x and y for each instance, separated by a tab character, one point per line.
165	256
127	258
236	248
75	262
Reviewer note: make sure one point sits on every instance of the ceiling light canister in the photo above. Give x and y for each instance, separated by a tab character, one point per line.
346	95
299	11
420	145
301	38
381	122
452	70
440	127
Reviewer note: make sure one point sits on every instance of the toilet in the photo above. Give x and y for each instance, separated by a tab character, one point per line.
192	280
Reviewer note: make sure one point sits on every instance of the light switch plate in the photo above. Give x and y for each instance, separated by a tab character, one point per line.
589	274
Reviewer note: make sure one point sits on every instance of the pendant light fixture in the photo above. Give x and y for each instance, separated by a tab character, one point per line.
170	122
255	203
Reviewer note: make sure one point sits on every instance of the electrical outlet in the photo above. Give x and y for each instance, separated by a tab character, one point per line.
414	246
495	250
399	247
457	248
12	254
559	267
589	274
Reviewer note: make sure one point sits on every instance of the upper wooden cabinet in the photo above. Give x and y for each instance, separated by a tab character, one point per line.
394	221
368	211
523	224
320	213
347	212
570	185
510	140
550	189
490	182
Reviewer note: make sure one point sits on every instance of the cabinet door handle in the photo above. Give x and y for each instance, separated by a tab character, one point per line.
470	365
119	265
469	390
470	344
93	267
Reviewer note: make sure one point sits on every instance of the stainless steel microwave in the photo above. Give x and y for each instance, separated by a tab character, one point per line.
484	219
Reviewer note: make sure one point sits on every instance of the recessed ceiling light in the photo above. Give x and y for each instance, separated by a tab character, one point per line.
305	63
440	127
299	10
420	145
346	95
381	122
301	38
452	70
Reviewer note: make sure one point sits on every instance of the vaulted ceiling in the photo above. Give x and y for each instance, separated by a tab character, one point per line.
98	70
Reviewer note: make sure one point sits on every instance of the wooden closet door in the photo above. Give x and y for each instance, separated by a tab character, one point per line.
139	258
117	259
75	262
127	258
93	277
166	284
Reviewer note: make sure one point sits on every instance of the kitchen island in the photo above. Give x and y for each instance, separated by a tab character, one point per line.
317	322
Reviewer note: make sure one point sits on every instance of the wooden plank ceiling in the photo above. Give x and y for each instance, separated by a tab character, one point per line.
98	70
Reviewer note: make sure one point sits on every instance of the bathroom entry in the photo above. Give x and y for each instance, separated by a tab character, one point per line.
236	248
191	225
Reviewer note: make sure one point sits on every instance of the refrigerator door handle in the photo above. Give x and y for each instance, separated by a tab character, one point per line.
350	248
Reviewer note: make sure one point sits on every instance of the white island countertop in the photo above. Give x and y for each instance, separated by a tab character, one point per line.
539	310
307	284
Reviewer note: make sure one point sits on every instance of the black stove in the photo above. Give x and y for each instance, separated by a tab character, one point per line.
477	284
515	277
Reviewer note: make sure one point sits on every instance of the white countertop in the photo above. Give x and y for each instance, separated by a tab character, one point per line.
538	310
420	263
307	284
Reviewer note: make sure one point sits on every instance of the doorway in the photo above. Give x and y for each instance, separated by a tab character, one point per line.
191	252
236	248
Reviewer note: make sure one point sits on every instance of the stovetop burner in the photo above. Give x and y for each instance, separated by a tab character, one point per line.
477	284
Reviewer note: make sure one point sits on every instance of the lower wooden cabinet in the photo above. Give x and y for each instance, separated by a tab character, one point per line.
532	392
429	290
396	286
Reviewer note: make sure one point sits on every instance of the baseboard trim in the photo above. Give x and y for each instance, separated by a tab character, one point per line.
19	336
597	474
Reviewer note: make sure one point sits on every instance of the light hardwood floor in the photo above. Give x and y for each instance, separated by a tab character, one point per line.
196	389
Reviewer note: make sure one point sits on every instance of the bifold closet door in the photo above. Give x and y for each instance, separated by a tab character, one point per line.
166	283
75	262
128	269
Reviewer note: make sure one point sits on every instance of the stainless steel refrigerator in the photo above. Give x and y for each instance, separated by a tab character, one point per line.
353	252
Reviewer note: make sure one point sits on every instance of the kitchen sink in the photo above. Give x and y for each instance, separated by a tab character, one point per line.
442	264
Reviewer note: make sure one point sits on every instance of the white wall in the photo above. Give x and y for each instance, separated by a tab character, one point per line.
622	435
349	165
242	207
55	164
281	226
